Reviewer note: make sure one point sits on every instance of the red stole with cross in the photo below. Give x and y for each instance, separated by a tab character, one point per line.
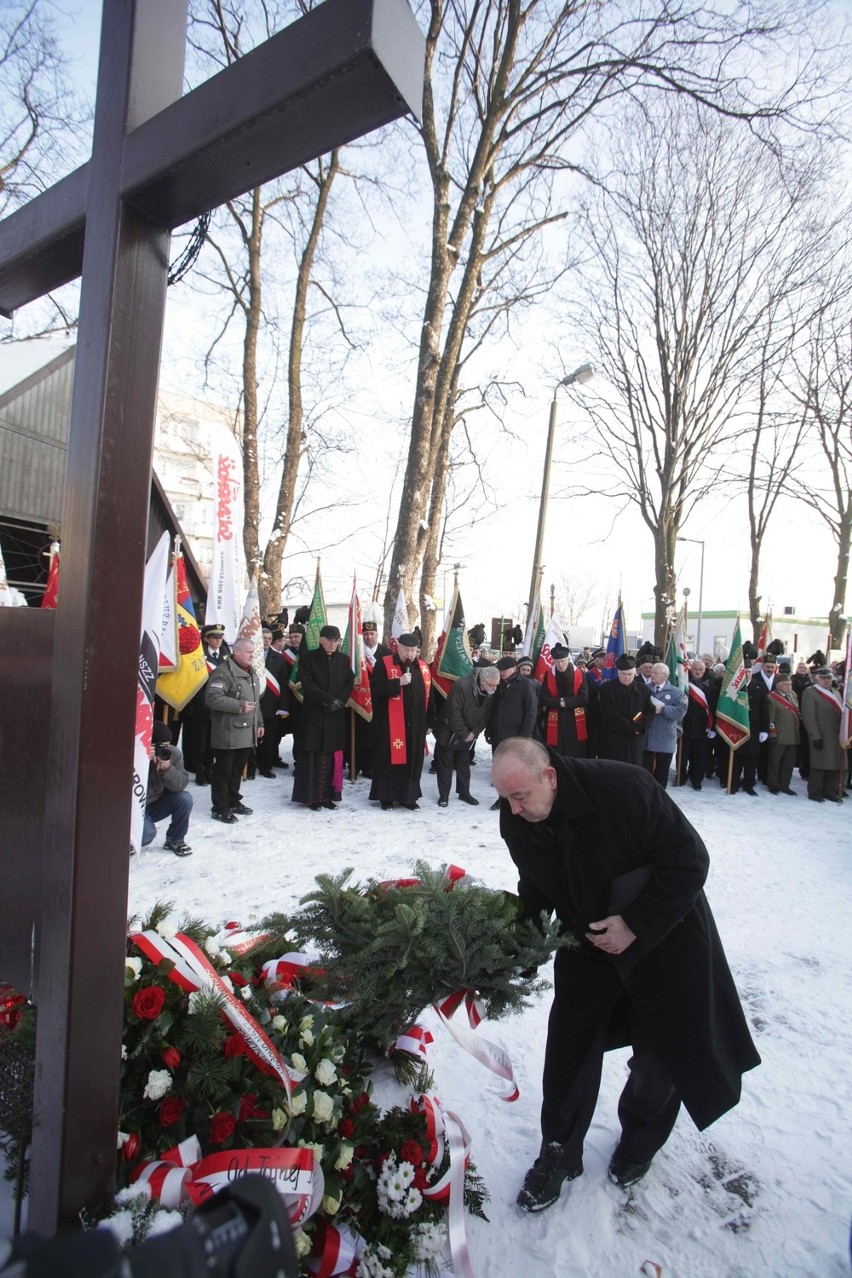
396	711
553	715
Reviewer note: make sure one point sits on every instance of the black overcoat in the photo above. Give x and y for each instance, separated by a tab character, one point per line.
567	742
325	677
624	715
672	988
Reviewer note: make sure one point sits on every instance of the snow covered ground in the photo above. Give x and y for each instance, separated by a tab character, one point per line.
768	1189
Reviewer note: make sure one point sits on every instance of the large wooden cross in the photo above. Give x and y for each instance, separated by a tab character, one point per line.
158	160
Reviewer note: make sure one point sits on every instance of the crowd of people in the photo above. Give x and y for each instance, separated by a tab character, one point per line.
234	727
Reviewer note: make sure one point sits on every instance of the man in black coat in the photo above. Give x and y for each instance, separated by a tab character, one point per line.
746	758
327	681
400	685
604	846
698	724
274	697
564	698
624	714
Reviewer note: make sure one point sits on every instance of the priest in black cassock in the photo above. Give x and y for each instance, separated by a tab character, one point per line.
400	686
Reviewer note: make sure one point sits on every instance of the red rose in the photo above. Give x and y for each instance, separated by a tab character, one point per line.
148	1002
347	1173
237	979
234	1046
360	1151
130	1148
171	1057
359	1102
412	1153
346	1128
221	1127
247	1106
420	1180
170	1110
232	926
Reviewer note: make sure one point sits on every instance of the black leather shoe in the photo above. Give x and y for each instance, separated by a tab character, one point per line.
544	1180
227	818
793	792
816	798
270	776
771	791
332	807
749	789
201	781
386	807
242	810
495	805
625	1171
412	807
468	798
443	803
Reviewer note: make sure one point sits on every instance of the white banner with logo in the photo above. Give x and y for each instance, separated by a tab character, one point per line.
227	570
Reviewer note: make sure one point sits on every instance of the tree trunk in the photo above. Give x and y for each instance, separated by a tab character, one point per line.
753	597
837	619
665	582
251	469
271	577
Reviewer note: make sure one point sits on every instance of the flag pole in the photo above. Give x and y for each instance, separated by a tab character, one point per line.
352	764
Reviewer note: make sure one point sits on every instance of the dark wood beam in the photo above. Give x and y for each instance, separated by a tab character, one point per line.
274	109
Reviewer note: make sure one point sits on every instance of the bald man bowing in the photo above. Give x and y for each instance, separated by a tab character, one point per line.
602	845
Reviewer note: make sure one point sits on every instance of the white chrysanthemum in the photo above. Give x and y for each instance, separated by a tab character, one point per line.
279	1023
383	1252
298	1061
159	1082
120	1225
428	1241
212	947
298	1104
133	965
406	1173
323	1110
325	1073
370	1266
344	1158
163	1221
246	992
166	930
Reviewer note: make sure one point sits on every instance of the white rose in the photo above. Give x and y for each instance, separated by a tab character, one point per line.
279	1120
225	957
325	1073
159	1082
279	1023
298	1104
344	1158
166	930
323	1107
133	965
298	1061
306	1023
330	1205
303	1243
306	1039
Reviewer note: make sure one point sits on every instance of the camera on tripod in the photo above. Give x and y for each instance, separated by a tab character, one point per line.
242	1232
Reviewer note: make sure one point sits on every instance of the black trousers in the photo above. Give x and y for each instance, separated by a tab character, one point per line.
659	765
694	760
445	761
227	774
647	1109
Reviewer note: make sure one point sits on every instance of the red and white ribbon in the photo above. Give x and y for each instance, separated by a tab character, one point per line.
474	1007
193	971
182	1175
340	1248
284	972
414	1040
487	1053
239	942
450	1131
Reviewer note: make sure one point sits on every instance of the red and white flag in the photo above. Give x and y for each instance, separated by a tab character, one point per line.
227	569
51	591
152	620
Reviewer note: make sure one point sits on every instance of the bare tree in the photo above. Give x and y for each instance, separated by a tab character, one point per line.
700	241
574	596
508	87
246	269
825	396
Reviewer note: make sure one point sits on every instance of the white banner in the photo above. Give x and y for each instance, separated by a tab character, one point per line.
250	628
399	625
156	571
227	570
169	643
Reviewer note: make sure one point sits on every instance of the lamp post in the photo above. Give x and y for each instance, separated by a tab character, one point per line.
696	542
584	373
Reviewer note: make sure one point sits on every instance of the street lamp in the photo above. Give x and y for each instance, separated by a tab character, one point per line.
696	542
584	373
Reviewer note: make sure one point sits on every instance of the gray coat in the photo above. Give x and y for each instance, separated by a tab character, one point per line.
173	780
465	710
822	722
227	691
661	737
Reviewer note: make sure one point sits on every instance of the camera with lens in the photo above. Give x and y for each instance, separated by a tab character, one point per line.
242	1232
162	751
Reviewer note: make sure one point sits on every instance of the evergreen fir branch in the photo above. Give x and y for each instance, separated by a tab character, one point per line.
158	914
206	1078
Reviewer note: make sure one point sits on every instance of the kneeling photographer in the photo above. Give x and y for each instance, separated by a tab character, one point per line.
167	793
